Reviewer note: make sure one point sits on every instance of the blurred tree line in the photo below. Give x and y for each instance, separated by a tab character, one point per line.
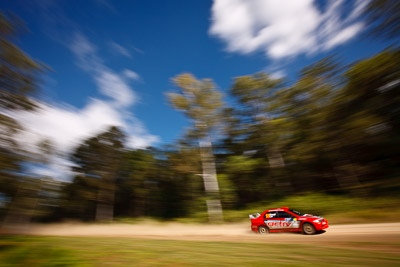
335	129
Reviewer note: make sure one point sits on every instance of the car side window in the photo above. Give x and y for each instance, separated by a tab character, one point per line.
271	215
284	214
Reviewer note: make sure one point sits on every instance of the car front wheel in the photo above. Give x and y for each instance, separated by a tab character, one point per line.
263	230
308	229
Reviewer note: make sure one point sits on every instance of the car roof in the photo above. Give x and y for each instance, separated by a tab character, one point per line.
279	209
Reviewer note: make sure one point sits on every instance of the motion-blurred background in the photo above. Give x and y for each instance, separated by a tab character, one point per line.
198	110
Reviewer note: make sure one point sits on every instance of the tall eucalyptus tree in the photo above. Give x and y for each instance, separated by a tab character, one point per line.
201	103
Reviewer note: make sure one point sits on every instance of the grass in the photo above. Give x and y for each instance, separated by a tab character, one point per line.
74	251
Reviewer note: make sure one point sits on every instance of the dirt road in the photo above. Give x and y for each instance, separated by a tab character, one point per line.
238	232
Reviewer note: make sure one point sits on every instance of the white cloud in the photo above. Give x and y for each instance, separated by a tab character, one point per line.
66	126
343	36
278	74
85	53
284	28
120	49
113	86
131	74
110	83
58	168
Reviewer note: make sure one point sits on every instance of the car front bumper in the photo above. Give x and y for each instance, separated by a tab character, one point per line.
321	226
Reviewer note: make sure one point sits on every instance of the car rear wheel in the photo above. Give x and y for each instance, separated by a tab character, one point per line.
263	230
308	229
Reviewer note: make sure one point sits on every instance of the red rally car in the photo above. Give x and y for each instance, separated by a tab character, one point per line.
286	220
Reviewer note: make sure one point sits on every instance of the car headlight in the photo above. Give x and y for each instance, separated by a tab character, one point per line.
318	220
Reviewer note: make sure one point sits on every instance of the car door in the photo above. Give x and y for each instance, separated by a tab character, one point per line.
289	220
272	220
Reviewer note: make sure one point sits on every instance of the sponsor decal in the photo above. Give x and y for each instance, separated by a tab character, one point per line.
270	215
282	224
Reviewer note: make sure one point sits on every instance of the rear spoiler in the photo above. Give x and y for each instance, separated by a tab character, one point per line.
254	215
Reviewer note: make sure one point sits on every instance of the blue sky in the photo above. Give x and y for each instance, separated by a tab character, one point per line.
112	61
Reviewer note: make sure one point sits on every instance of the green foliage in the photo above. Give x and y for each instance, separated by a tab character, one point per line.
98	161
228	191
18	72
78	199
108	144
18	81
199	101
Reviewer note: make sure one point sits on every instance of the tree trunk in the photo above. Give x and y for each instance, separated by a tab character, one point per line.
105	200
210	180
348	176
275	159
23	204
104	212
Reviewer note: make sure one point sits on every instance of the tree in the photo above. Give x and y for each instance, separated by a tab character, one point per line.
100	157
310	102
185	165
139	167
255	93
367	115
257	135
201	103
78	199
18	81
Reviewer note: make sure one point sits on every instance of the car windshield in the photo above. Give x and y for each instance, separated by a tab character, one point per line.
296	212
